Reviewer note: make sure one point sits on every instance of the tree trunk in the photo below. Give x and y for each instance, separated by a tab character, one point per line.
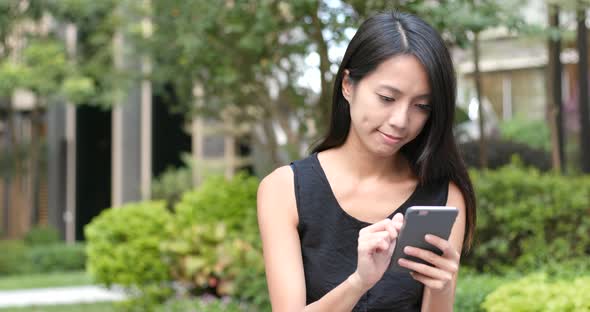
554	94
35	164
483	154
8	150
583	86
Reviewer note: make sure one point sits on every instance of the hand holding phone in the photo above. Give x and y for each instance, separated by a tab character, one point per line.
419	221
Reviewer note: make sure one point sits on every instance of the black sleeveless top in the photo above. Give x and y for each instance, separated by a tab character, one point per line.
329	241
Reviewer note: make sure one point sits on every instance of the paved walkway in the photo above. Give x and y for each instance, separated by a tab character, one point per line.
58	295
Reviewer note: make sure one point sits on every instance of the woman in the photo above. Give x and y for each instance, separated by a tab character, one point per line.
329	222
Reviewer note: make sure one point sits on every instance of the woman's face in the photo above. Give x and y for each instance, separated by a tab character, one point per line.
390	106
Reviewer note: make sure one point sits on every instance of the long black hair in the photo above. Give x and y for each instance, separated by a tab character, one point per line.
433	154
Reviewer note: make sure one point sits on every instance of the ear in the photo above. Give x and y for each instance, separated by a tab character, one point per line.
347	85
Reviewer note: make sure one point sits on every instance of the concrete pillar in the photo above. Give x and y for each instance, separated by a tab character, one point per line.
56	166
131	130
146	117
70	211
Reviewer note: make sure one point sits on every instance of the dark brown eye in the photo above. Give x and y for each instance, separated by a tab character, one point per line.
386	98
425	107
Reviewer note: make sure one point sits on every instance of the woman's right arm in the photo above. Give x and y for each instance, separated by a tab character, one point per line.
277	220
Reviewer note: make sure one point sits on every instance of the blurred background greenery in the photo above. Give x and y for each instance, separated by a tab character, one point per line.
134	134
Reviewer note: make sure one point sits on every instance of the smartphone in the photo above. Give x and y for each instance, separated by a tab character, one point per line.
419	221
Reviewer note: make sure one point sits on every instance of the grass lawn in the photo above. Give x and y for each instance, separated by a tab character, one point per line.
89	307
44	280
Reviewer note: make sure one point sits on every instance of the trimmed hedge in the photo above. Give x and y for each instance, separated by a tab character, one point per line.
58	257
527	219
19	258
42	235
13	257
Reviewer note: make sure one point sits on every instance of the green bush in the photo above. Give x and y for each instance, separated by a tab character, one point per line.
13	257
537	292
534	133
500	153
208	245
19	258
171	184
123	248
215	246
203	305
232	202
42	235
527	219
58	257
472	289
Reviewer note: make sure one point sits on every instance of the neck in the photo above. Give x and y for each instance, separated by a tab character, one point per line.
364	164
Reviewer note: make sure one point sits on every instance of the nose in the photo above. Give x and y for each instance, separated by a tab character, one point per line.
399	116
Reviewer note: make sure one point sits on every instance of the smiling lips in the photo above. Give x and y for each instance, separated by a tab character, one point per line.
390	138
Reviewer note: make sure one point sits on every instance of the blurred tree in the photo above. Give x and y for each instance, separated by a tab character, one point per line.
554	89
51	78
580	7
40	66
467	20
96	81
12	14
249	60
583	103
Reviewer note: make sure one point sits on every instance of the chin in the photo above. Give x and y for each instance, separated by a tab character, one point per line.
384	151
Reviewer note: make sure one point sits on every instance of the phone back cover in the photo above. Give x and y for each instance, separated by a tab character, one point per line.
438	221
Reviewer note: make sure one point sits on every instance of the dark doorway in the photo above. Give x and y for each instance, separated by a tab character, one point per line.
169	140
93	165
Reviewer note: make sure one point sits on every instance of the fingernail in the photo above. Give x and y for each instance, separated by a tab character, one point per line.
407	249
427	236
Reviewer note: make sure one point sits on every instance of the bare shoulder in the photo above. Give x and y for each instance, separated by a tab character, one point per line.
279	178
276	194
455	197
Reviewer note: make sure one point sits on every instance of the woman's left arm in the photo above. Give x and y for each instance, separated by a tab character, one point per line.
440	281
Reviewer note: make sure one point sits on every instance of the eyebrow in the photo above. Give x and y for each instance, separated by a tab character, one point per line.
396	90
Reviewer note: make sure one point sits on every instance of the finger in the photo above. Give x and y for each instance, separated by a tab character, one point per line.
426	270
379	235
428	282
382	245
379	226
398	221
374	237
392	231
444	245
370	246
448	265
